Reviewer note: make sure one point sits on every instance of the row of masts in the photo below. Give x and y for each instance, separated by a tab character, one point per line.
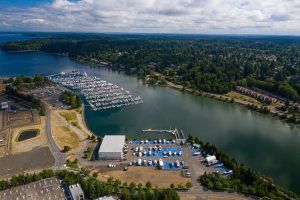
99	94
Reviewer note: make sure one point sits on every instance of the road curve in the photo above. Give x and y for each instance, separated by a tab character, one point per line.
60	158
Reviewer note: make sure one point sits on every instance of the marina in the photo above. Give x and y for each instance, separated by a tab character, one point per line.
229	126
99	94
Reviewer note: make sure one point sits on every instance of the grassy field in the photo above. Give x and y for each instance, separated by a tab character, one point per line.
71	117
63	136
243	97
69	138
74	117
159	178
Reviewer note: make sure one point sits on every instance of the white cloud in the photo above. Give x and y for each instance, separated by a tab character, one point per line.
37	21
181	16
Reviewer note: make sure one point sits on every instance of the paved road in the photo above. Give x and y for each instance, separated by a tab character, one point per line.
60	158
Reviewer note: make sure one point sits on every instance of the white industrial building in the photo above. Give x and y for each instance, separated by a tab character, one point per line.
112	147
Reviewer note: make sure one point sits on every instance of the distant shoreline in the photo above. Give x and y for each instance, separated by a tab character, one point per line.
171	85
226	99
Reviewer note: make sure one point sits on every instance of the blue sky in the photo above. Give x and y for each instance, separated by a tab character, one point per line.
153	16
22	2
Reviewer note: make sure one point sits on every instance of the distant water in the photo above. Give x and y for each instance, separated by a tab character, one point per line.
260	142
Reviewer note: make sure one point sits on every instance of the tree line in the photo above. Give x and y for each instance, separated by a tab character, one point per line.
243	178
94	188
208	63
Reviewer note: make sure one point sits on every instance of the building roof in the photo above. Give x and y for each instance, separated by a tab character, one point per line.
4	105
106	198
210	158
76	190
49	188
112	143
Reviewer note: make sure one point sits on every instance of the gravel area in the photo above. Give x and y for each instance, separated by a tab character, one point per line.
36	159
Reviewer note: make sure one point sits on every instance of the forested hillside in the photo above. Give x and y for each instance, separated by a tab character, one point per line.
208	63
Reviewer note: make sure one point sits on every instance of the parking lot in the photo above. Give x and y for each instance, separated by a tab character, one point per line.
152	152
161	154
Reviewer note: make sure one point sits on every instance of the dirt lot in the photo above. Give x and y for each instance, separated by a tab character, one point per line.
24	118
1	119
4	144
38	158
28	145
2	87
159	178
63	136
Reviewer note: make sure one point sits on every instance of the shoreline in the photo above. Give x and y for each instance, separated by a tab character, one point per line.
181	88
226	99
89	132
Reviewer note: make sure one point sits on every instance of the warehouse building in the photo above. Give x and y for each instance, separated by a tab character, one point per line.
112	147
49	188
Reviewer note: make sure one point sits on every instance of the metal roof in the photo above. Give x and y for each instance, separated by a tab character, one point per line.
112	143
76	190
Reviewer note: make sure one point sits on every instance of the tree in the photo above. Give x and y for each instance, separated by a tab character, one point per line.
95	174
110	180
125	194
148	185
218	185
188	185
66	149
180	186
117	182
140	185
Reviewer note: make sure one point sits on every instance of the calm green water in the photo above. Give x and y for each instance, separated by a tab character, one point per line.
262	143
27	135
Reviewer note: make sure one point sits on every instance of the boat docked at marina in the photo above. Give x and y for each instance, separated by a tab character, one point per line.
99	94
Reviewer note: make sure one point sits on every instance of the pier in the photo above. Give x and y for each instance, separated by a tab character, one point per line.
180	139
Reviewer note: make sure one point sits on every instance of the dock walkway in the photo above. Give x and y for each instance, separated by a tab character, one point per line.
179	137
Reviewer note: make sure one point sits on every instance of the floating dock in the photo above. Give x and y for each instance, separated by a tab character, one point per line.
179	137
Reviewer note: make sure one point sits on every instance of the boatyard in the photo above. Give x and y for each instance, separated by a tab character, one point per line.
152	159
99	94
162	154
